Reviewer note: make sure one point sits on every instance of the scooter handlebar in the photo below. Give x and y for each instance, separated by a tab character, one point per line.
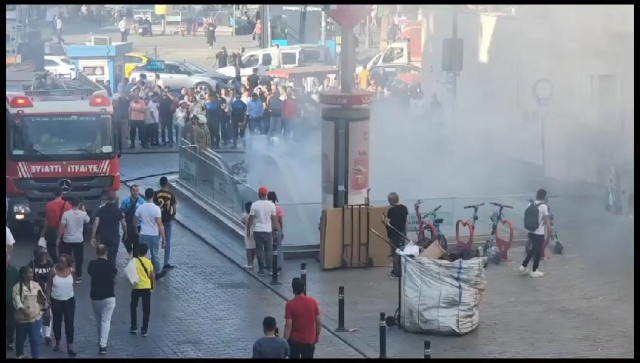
474	206
501	205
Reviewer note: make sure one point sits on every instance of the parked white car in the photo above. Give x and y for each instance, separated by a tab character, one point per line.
292	56
60	65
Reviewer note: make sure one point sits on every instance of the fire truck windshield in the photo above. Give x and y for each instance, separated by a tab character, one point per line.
62	135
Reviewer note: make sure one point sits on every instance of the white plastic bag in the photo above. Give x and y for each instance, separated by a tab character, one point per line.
132	272
441	297
42	242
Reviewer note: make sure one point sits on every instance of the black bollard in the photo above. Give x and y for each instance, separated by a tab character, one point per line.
341	310
427	349
383	336
274	266
303	276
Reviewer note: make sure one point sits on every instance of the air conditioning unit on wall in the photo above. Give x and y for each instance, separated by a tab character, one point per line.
100	41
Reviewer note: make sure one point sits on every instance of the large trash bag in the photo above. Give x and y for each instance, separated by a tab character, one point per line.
439	296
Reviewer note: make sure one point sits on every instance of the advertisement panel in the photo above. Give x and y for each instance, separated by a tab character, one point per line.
358	162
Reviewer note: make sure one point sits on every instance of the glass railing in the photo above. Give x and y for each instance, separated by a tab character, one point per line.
204	173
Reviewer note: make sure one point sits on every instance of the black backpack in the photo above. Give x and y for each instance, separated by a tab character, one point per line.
130	212
532	217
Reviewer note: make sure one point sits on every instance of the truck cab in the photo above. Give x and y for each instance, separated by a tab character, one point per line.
59	134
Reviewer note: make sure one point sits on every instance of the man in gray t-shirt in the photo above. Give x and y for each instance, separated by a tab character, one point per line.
270	346
70	234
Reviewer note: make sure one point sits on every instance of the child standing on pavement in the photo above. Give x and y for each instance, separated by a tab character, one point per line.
142	289
249	243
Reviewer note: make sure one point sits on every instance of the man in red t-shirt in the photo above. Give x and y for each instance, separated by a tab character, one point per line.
303	325
52	217
289	114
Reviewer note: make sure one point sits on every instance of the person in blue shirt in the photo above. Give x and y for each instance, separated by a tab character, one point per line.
124	87
255	110
214	118
238	119
129	206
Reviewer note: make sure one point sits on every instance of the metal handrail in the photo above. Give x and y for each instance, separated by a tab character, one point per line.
215	166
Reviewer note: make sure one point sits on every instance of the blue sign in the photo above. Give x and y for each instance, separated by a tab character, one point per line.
155	66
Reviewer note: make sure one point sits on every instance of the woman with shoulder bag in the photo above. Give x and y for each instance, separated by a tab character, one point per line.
30	303
42	267
63	303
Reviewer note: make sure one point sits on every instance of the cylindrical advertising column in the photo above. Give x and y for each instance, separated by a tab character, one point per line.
345	148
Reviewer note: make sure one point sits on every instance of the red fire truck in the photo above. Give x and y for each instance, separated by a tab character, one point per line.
59	134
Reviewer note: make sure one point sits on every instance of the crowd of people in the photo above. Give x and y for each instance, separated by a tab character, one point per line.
156	116
40	296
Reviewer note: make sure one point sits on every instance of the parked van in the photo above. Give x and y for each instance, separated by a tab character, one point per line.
292	56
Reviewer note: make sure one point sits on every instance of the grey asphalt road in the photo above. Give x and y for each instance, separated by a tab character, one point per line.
170	47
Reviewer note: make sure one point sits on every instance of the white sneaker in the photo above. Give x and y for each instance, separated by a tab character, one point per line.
523	270
536	274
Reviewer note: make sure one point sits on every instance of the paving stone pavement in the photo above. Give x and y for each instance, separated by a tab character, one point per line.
582	307
206	307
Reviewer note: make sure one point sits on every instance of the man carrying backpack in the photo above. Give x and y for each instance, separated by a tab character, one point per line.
536	221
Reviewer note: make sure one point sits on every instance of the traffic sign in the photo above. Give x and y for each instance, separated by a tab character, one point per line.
542	91
347	16
12	37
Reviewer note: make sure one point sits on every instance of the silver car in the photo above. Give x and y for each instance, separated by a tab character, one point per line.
183	74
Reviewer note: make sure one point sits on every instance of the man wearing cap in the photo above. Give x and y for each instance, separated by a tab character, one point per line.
263	213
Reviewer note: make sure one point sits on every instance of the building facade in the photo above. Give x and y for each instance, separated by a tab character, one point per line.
586	52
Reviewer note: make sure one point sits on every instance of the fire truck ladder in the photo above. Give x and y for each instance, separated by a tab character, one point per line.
45	84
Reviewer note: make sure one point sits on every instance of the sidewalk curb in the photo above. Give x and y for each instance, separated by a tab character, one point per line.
149	152
328	323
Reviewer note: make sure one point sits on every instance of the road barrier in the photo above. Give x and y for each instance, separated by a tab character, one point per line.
383	335
427	349
303	275
340	327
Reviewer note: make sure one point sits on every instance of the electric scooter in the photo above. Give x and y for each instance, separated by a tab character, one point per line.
496	248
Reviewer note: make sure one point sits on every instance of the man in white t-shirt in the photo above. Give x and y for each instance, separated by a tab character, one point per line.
151	123
276	58
151	229
536	238
71	234
264	220
10	241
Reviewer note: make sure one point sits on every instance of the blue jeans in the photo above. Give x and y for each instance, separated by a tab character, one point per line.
167	249
275	127
33	331
254	123
154	247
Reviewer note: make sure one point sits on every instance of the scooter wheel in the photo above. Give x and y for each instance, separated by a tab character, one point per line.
496	259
